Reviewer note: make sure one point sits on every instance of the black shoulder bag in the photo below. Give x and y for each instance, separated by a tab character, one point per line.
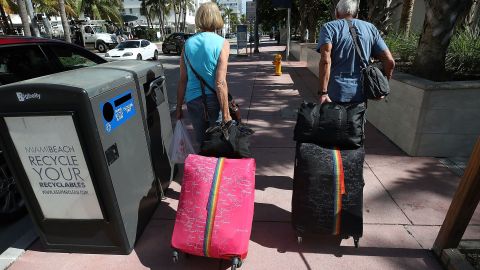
233	107
374	83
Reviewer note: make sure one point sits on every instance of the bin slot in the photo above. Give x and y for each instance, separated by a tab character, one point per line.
122	100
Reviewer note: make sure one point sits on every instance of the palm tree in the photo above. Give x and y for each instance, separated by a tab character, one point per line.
406	17
63	15
22	11
101	9
440	20
227	12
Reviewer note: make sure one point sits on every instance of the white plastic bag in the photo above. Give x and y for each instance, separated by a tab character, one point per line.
181	145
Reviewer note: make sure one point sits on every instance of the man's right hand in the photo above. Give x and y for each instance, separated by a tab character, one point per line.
179	113
324	99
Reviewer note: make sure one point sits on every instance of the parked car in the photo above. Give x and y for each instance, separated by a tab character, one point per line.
133	49
175	42
23	58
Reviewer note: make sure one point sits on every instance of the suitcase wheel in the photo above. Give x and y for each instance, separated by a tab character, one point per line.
299	239
236	263
355	241
175	256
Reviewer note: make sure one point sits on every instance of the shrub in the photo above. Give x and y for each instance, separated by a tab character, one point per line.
463	55
403	47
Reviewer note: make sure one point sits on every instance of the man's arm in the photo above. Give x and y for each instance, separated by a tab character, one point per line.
388	62
324	71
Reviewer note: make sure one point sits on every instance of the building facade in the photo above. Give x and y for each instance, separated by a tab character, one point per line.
133	7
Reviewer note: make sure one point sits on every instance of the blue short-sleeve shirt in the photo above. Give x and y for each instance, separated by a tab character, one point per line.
344	84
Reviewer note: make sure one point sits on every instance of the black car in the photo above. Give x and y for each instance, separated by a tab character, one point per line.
23	58
175	42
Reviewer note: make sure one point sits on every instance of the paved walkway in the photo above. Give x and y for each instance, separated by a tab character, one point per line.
405	198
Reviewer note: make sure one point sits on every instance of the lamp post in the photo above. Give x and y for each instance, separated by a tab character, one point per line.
257	41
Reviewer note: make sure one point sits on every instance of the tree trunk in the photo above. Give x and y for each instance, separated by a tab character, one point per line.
185	16
473	18
406	17
63	15
175	13
379	12
22	10
440	19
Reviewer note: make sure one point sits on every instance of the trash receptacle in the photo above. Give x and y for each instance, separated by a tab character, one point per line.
150	79
78	148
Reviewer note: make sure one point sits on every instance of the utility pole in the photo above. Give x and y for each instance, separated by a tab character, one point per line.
257	40
36	32
288	34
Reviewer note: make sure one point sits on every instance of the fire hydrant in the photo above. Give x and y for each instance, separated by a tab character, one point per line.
278	64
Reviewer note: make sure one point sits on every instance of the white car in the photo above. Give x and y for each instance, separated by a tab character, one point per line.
133	49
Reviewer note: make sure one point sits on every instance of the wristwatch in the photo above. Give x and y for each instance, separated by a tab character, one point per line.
322	93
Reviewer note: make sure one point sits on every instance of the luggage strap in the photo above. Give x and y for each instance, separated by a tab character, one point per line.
212	206
339	176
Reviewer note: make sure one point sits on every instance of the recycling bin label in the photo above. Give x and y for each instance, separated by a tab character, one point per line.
52	157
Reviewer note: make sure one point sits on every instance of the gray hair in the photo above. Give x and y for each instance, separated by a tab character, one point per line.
347	7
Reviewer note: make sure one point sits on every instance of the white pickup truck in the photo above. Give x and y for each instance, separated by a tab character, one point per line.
97	37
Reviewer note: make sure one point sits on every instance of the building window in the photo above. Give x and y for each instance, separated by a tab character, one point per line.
130	10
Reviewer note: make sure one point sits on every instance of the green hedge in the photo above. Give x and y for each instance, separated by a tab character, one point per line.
463	55
402	47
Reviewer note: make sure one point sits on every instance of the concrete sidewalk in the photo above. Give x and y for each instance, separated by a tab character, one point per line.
405	198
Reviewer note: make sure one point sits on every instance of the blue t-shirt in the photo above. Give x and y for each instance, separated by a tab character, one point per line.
203	51
344	84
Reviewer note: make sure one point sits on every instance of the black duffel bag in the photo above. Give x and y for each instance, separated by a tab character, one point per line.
230	140
331	124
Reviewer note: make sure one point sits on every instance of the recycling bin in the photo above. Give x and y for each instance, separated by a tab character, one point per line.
150	79
77	145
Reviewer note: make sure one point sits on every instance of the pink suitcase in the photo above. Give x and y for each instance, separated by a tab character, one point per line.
215	210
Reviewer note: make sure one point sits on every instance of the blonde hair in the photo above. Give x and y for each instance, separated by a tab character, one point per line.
208	17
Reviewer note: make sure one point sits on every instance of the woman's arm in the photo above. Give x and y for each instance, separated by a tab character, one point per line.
221	81
182	85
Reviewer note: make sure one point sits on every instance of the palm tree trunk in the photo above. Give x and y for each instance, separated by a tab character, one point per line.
22	10
175	14
440	19
473	18
406	17
63	16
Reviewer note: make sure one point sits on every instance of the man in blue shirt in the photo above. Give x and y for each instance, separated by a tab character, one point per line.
339	65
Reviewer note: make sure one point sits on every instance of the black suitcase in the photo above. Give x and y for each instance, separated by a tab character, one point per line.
318	205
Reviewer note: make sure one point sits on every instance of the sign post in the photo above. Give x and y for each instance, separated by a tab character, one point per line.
242	42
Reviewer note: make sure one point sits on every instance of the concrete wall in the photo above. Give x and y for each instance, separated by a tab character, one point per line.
426	118
306	52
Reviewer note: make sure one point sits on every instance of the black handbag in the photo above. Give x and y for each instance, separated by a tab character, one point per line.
374	83
331	124
227	140
233	107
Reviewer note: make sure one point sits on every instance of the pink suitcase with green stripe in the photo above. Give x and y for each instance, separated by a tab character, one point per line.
215	210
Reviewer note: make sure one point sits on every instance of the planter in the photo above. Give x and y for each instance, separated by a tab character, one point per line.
426	118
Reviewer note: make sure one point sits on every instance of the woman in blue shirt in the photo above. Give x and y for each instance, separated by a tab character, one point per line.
208	54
